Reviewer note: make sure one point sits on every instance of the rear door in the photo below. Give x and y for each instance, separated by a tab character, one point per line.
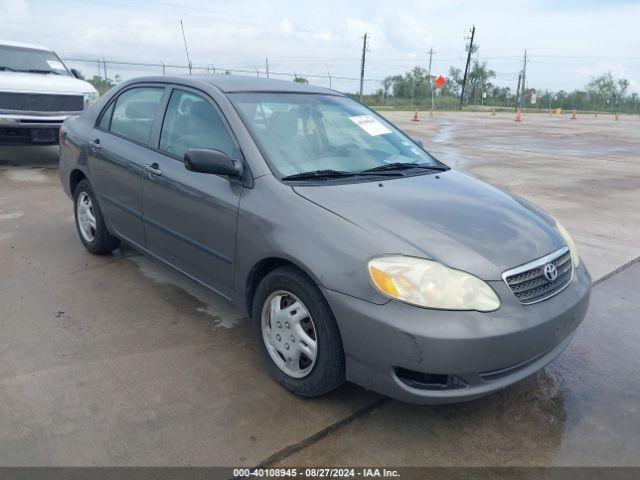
190	218
119	150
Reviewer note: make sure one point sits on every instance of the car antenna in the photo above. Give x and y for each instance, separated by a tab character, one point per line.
185	46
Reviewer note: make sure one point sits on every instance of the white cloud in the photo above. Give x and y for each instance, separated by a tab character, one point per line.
326	35
306	36
286	26
592	70
14	8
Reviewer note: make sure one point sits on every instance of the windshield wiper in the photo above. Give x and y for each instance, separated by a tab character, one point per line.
328	174
35	70
7	68
318	174
404	166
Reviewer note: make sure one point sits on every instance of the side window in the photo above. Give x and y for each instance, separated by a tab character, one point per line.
192	122
105	119
134	112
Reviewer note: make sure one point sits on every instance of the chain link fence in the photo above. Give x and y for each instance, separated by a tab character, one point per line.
105	73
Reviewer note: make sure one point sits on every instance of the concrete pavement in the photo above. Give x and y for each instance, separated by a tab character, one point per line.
119	361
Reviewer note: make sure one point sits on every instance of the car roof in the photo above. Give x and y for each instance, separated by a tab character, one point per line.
240	83
9	43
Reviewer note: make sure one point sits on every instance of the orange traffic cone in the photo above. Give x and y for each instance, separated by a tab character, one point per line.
415	116
518	116
573	117
431	113
596	115
616	117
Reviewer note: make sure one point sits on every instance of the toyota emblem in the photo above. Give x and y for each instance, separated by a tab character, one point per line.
550	272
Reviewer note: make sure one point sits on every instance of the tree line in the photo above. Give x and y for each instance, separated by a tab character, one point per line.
413	88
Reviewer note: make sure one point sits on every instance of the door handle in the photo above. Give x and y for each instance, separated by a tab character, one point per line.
153	169
95	144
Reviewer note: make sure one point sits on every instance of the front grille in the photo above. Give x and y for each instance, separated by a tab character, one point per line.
40	102
529	283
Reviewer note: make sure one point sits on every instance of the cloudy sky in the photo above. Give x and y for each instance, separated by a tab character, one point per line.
568	41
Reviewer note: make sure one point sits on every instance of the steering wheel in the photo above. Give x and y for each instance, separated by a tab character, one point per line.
347	148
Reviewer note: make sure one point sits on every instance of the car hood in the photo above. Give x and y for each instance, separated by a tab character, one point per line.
450	217
42	83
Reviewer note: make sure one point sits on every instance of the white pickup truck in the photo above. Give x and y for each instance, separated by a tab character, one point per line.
37	93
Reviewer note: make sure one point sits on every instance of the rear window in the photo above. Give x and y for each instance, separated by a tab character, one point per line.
135	111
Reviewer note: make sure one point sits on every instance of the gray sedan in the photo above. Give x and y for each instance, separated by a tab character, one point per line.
357	255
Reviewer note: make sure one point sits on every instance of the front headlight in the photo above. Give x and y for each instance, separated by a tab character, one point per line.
430	284
90	97
569	241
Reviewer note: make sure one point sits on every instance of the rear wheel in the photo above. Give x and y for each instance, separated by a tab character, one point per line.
297	333
90	223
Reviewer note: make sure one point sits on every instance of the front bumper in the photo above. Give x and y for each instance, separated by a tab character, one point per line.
23	129
434	356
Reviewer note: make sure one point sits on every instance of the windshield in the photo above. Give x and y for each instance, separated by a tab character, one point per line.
18	59
300	133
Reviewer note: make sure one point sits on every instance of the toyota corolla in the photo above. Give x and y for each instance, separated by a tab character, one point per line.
356	254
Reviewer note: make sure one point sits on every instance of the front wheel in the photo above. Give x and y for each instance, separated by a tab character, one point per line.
297	333
90	223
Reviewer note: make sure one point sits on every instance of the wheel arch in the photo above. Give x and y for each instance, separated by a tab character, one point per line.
261	269
75	177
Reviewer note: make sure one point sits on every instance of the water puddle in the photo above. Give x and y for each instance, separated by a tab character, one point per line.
445	148
204	300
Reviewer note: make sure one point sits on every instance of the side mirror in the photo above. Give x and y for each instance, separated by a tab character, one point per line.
211	161
75	73
418	142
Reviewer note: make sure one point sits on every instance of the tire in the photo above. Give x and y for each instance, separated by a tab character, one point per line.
328	369
90	224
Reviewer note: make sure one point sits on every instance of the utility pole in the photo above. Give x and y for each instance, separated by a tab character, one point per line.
518	92
466	68
364	53
429	76
524	78
185	46
429	70
266	64
106	77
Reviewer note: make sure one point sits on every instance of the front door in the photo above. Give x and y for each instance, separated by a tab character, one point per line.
190	218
